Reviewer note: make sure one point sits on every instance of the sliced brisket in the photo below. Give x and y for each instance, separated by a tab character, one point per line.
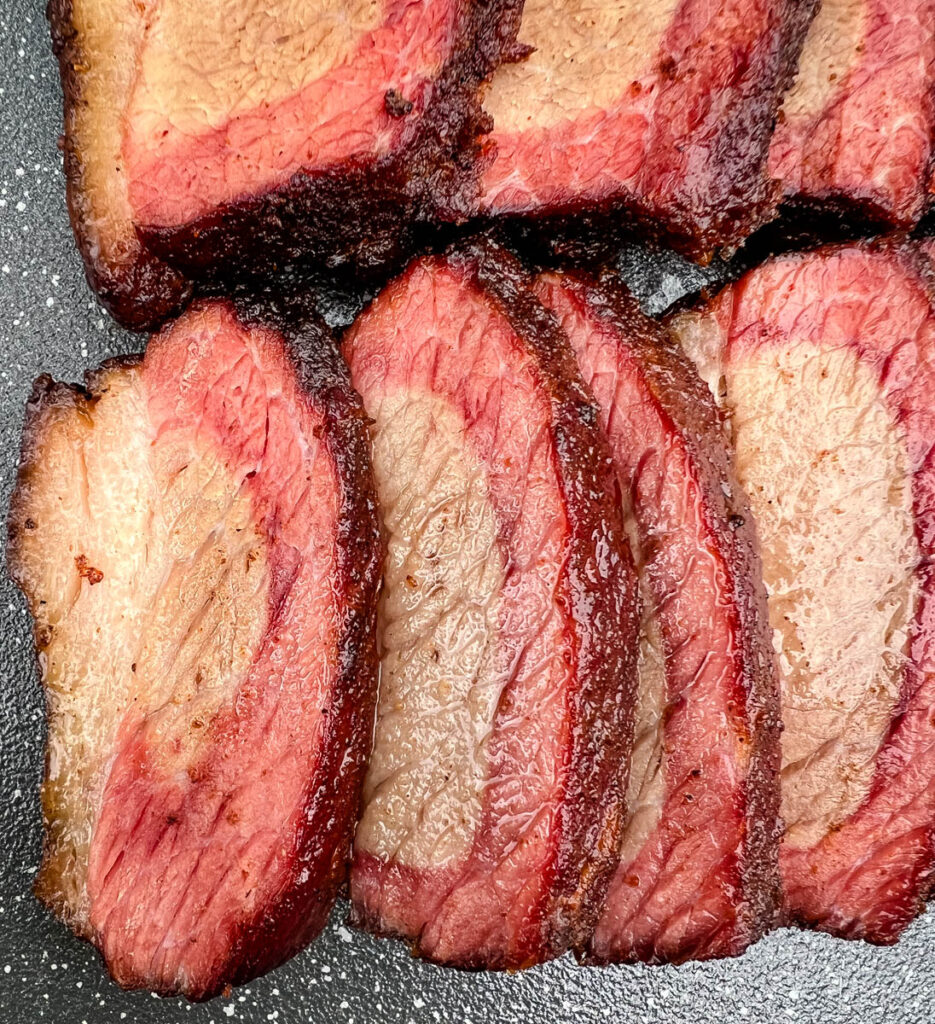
658	112
856	131
494	800
196	533
826	365
699	870
208	139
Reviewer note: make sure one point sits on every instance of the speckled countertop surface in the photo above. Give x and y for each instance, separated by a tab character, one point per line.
49	321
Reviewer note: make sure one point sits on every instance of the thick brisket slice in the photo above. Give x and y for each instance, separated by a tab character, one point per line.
659	111
196	533
494	800
856	130
699	870
826	364
210	139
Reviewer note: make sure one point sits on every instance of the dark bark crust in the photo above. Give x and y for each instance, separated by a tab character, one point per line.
601	602
687	403
141	291
358	217
332	808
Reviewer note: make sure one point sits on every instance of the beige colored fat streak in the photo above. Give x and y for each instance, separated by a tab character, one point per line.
166	633
586	56
827	473
832	46
109	35
204	63
439	683
646	787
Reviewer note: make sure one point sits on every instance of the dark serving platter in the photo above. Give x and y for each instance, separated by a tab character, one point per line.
49	321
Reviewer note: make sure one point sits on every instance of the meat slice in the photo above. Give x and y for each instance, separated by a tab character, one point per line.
699	868
195	531
658	112
210	139
856	130
826	365
494	801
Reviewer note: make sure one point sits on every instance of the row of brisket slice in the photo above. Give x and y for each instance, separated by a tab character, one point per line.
327	132
200	144
593	617
499	828
794	574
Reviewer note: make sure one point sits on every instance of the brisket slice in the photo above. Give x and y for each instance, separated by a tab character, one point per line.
219	139
196	533
494	801
699	868
856	130
660	113
826	365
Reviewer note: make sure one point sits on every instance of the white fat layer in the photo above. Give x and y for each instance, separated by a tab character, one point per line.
827	473
586	57
109	36
167	631
439	682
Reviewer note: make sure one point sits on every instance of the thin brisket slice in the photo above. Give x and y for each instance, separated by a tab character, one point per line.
660	113
699	869
208	140
825	363
196	533
855	136
494	800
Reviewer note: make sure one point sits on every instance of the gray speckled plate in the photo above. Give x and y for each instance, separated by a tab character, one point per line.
49	321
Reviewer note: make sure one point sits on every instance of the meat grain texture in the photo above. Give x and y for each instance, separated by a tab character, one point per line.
494	802
196	534
699	867
825	363
659	114
856	133
211	140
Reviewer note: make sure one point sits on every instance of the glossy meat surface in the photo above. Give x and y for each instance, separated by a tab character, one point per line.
856	130
662	111
494	800
196	535
699	868
825	365
206	140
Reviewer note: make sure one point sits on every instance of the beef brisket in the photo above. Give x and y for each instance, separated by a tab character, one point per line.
493	805
856	130
660	113
208	139
825	363
699	870
196	533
